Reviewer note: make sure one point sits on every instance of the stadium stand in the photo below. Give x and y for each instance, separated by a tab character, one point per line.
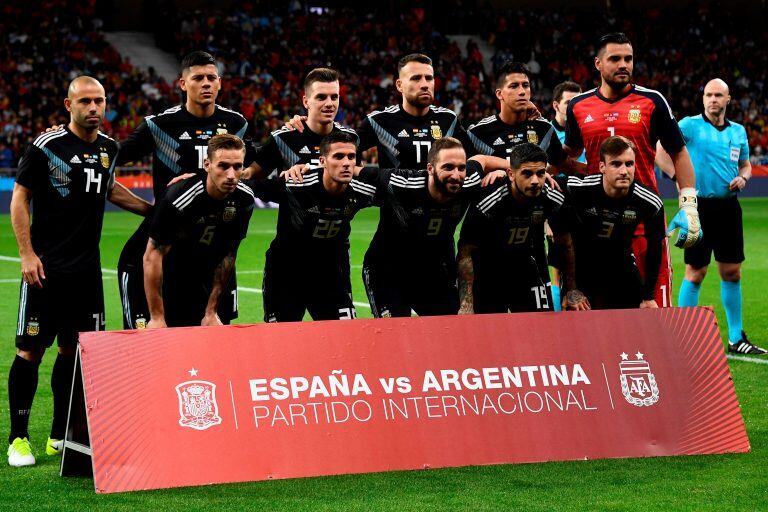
264	55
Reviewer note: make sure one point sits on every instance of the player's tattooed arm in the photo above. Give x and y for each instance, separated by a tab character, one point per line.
31	267
129	201
153	282
575	299
221	276
466	279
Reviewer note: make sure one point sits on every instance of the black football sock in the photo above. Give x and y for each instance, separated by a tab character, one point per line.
61	385
22	385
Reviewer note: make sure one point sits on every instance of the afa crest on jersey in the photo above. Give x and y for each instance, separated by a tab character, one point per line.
33	327
436	131
532	137
104	159
229	213
629	217
634	115
537	216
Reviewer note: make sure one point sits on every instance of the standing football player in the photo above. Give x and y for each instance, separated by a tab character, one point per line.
66	174
177	139
619	107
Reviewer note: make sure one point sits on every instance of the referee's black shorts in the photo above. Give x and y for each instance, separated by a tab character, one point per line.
723	233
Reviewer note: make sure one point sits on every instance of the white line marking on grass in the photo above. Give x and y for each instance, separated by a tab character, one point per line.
747	359
18	260
258	290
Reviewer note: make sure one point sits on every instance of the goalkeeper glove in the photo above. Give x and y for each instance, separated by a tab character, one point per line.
686	220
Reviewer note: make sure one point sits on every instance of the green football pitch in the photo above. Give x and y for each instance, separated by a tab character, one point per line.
719	482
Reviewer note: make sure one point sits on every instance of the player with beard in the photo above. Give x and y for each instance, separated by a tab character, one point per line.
403	134
177	140
619	107
410	264
498	134
501	258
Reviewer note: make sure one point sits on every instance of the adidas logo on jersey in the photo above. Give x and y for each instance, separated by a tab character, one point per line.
304	150
184	136
498	141
588	119
403	134
314	209
75	160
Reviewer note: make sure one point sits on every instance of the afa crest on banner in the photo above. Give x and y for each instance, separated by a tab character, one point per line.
197	404
638	384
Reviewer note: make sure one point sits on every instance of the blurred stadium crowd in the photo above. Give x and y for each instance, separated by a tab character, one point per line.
264	56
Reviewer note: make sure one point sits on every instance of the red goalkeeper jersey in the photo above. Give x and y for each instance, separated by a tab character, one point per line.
641	115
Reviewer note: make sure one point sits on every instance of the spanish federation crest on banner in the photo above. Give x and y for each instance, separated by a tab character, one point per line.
634	115
436	131
197	404
638	384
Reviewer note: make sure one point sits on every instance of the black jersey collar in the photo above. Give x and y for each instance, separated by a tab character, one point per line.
726	124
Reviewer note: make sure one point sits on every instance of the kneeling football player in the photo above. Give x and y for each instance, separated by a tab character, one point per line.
194	237
608	208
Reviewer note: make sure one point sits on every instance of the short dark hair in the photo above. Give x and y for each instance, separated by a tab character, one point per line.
525	153
224	141
197	58
324	75
567	86
336	137
441	144
614	146
413	57
508	68
612	38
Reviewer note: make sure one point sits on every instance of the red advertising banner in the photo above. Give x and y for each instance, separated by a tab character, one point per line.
202	405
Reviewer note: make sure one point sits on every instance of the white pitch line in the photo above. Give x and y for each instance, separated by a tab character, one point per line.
240	288
747	359
18	260
257	290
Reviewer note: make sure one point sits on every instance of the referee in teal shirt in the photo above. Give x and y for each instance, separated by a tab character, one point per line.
720	156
